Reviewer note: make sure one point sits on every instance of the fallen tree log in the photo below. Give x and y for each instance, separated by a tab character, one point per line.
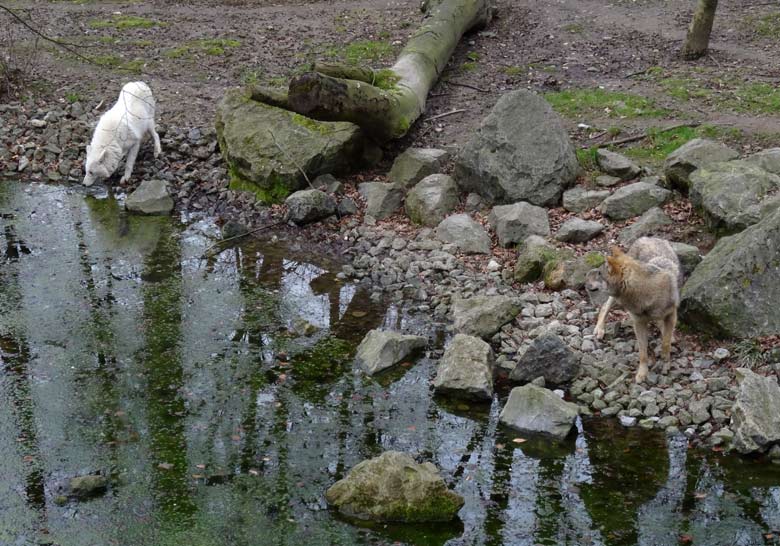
386	102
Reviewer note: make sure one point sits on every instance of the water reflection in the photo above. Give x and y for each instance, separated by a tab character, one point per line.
185	381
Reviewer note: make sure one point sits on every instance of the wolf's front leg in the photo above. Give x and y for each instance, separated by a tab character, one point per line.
599	330
130	162
157	147
667	333
642	331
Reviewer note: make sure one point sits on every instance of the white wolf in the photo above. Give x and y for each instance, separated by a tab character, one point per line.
120	131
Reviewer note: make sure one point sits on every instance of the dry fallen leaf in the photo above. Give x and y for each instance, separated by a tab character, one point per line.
519	440
165	466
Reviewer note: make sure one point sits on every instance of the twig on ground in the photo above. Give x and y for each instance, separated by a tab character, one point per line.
468	85
445	114
210	253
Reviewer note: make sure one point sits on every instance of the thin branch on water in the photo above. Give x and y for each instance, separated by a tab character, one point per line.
210	253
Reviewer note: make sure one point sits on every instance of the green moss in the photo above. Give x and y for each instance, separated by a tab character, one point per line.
767	26
314	369
594	259
468	66
123	22
113	61
587	158
310	124
514	71
574	28
660	143
207	46
577	103
385	79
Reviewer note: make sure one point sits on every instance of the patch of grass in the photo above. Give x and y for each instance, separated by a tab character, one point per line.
587	158
577	103
750	354
472	56
73	97
574	28
660	144
684	89
123	22
468	66
361	52
514	71
766	25
756	98
207	46
251	77
113	61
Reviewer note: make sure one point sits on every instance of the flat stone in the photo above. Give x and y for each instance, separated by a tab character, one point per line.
381	349
634	199
483	316
577	230
695	153
513	223
578	199
650	223
615	164
152	197
548	357
382	199
537	410
607	181
414	164
466	234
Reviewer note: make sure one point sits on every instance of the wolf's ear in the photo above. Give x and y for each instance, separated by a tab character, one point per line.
615	250
613	264
102	155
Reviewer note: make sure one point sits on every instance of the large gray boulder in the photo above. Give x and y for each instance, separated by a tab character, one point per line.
264	146
306	206
382	199
615	164
548	357
769	160
415	164
578	199
513	223
393	487
633	200
466	369
650	223
537	410
755	416
483	316
381	349
521	152
577	230
695	153
152	197
432	199
734	291
730	195
469	236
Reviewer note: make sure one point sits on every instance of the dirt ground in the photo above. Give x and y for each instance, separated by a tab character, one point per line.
191	52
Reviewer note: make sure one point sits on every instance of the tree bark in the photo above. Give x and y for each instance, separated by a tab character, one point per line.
389	102
698	38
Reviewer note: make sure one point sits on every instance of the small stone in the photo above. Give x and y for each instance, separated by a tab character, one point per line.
513	223
634	199
381	349
577	230
578	199
467	235
91	485
152	197
607	181
614	164
414	164
306	206
627	421
720	353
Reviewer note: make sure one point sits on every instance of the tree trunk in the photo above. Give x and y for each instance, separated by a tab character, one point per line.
386	102
698	38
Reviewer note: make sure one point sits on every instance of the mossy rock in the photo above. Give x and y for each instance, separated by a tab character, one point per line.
393	487
571	273
535	257
264	146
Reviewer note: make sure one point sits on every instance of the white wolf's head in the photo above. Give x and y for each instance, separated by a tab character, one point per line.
99	165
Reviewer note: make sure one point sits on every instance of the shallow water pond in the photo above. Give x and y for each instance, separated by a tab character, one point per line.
190	384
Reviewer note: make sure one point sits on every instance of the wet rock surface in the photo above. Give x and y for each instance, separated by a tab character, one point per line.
532	409
466	369
152	197
393	487
382	349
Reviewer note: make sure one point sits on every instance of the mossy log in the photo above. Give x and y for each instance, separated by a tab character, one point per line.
386	104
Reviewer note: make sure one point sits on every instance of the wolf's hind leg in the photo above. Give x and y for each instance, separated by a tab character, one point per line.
599	329
156	137
667	334
642	331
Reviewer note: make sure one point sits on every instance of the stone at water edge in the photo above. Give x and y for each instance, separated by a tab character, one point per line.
695	153
466	234
393	487
483	316
548	357
151	197
615	164
466	369
537	410
431	200
520	152
734	291
84	487
306	206
263	146
382	349
414	164
513	223
755	416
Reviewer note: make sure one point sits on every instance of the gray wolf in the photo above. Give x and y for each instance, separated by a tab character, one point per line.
645	281
120	132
